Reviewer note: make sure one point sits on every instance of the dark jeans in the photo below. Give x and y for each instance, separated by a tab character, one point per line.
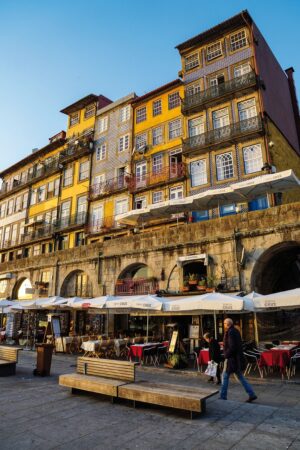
242	380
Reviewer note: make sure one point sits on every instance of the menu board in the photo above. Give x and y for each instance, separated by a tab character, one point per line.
173	341
56	326
194	331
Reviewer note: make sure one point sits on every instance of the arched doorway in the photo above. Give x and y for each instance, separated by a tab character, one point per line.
136	279
23	290
77	284
277	269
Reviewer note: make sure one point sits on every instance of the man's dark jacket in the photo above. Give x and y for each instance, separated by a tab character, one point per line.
233	351
214	350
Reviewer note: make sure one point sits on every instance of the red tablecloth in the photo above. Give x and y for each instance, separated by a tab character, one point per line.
275	358
203	357
137	350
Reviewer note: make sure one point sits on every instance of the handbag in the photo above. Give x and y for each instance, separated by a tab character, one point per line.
211	369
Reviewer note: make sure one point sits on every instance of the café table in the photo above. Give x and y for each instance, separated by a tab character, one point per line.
90	348
203	357
137	350
277	357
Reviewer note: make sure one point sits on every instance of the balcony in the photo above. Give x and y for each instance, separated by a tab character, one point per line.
107	187
194	103
223	136
81	147
104	225
165	175
39	233
76	220
8	243
137	286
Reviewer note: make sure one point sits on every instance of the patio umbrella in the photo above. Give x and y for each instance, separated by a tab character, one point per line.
215	197
51	302
270	183
285	299
4	304
165	209
134	217
249	305
81	303
26	305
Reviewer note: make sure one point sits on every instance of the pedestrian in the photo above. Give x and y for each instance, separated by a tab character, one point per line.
234	361
214	355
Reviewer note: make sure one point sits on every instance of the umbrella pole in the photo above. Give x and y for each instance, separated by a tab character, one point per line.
147	331
255	328
215	324
2	317
107	317
27	337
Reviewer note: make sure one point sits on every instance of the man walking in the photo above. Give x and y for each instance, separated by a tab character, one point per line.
234	361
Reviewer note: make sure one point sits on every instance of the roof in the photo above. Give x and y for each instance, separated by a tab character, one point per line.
212	33
128	98
159	90
80	104
33	156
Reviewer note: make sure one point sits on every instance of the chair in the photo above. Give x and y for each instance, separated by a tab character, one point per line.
252	363
294	363
150	353
162	353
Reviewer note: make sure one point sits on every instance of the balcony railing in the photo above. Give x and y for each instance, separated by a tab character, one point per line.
79	148
164	175
223	134
70	221
104	225
193	101
40	232
136	287
108	187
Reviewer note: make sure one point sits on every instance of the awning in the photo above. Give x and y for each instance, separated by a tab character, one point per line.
285	299
85	303
214	302
198	257
165	209
214	198
144	302
134	217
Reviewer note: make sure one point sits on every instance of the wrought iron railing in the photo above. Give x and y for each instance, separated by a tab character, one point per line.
234	130
163	175
103	225
107	187
140	286
78	148
194	100
40	232
70	221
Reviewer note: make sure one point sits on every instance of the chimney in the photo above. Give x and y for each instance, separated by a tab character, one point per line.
293	93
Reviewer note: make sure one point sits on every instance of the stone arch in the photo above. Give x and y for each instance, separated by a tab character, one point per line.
277	269
19	289
136	278
77	284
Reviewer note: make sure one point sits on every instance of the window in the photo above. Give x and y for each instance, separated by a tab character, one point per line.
157	197
121	177
220	118
141	141
63	242
36	250
141	174
41	193
3	286
121	206
238	40
2	210
45	276
125	113
224	165
198	172
140	202
241	70
173	100
6	236
33	197
68	176
175	129
89	111
191	61
247	109
157	136
50	189
25	200
227	210
196	126
216	81
156	108
79	239
1	234
253	161
101	152
192	89
81	209
176	192
74	119
56	187
65	210
97	216
81	285
84	170
18	204
103	124
14	234
157	164
21	232
10	206
123	143
141	114
213	51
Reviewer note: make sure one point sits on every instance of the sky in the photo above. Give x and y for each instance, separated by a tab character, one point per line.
56	52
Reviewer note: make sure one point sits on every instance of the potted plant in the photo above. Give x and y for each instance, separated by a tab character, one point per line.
201	286
210	284
193	279
185	287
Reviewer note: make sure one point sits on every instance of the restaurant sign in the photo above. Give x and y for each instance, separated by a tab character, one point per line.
270	304
227	306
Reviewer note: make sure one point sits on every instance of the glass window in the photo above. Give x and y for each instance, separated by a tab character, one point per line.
14	234
2	210
141	114
192	89
18	204
121	206
227	210
176	192
258	203
196	126
125	113
79	239
25	200
253	161
65	210
101	152
50	189
213	51
175	129
10	206
220	118
74	119
45	276
141	174
224	165
173	100
56	187
103	124
41	193
36	250
238	40
198	216
81	208
1	234
242	69
6	236
247	109
157	136
140	202
198	173
68	176
84	170
97	216
157	197
157	164
33	197
89	111
156	108
141	141
191	61
123	143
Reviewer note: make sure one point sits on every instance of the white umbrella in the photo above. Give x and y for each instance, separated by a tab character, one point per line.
134	216
284	299
51	302
270	183
215	197
80	303
165	209
4	304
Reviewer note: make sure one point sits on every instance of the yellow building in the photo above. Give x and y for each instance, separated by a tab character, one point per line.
158	168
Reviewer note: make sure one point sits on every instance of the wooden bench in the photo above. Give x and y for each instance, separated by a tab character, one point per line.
117	379
101	376
8	360
187	398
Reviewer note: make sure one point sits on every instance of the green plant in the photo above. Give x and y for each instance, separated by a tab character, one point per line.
202	282
211	282
192	277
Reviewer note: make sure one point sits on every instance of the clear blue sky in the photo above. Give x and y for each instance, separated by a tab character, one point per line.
55	52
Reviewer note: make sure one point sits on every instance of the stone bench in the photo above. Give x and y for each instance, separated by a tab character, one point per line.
8	360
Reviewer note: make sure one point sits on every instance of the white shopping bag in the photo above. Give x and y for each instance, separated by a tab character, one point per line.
211	369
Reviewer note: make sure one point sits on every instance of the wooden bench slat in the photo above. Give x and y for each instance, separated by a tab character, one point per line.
120	370
90	383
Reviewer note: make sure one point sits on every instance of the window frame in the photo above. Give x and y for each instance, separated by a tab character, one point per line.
141	114
213	54
236	42
174	100
204	178
251	162
101	152
156	107
221	171
177	135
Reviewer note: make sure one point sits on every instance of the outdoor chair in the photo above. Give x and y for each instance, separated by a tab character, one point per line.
252	363
150	354
294	364
162	354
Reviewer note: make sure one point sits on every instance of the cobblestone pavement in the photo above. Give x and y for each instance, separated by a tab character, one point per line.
36	413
